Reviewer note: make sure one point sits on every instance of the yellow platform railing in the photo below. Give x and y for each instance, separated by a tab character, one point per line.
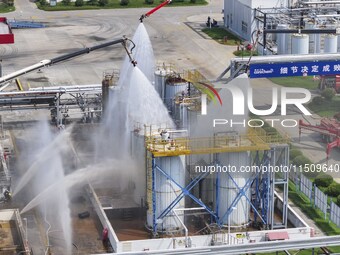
255	139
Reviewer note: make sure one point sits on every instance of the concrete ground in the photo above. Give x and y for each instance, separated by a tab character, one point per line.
176	38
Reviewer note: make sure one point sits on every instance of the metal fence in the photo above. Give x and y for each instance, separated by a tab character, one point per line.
320	200
316	196
295	178
334	214
306	186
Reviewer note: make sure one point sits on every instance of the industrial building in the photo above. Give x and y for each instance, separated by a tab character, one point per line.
239	14
285	27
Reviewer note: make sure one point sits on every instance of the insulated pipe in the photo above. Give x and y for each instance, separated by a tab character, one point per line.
181	222
185	228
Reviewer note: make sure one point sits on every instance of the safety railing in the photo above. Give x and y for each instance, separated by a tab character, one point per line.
255	139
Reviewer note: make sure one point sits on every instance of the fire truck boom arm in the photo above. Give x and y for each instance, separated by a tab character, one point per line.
48	62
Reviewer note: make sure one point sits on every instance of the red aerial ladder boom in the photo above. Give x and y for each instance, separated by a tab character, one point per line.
154	10
328	128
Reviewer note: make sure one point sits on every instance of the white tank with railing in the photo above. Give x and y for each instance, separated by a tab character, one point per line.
228	191
166	191
174	85
160	77
185	111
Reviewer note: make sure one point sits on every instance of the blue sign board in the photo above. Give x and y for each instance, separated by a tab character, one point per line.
294	69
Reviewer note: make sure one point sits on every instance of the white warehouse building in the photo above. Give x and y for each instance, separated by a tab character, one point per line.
239	14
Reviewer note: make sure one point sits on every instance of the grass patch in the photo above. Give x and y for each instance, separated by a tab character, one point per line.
4	8
296	82
219	34
244	53
326	108
115	4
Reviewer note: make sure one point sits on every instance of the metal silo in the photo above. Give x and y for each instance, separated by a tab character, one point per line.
314	39
282	40
185	110
166	191
173	86
317	43
227	190
331	43
300	44
138	154
160	76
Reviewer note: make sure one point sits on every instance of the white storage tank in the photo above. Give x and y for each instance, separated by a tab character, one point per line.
227	191
300	44
138	154
160	76
205	189
282	40
173	87
331	43
180	112
185	112
310	24
166	191
317	45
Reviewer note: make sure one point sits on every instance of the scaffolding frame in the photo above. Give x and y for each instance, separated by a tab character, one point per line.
273	153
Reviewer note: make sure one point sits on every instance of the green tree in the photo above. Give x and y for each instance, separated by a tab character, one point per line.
338	200
323	180
333	190
79	3
8	2
317	100
328	93
103	2
149	1
92	2
301	160
66	2
294	153
124	2
43	2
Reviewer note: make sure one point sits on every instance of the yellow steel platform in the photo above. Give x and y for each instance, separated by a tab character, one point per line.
256	139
